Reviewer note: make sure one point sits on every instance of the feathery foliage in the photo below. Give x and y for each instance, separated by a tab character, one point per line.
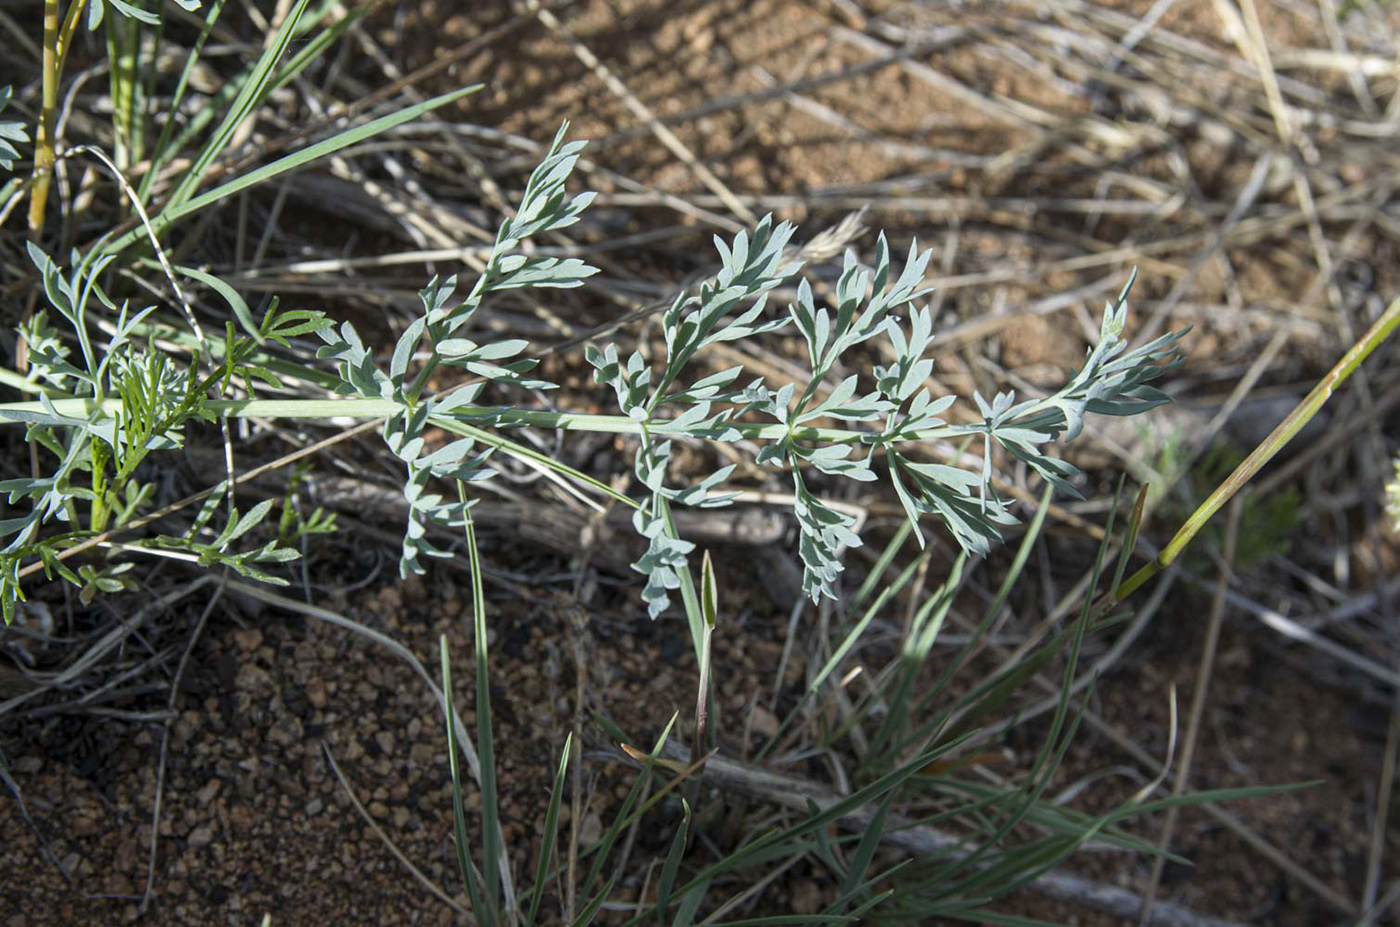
659	404
110	399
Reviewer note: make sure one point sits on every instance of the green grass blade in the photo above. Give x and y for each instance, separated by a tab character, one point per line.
705	736
672	864
1130	542
250	94
1023	554
848	642
605	845
162	153
995	693
123	38
865	851
289	163
308	53
150	75
484	913
826	847
862	887
594	905
747	854
1051	818
874	902
492	851
1217	795
959	660
877	572
225	95
1056	745
685	914
551	832
923	632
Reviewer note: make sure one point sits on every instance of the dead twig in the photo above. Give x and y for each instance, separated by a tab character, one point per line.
799	794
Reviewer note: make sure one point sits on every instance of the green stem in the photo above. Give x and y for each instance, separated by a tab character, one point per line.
420	382
100	513
1385	326
530	455
57	40
44	155
70	26
497	416
122	40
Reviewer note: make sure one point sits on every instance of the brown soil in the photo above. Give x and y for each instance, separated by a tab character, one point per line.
253	819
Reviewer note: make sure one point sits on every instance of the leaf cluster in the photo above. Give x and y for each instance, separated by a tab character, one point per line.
885	422
443	329
1113	380
138	401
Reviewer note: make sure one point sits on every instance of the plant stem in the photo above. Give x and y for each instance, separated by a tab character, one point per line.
496	416
44	157
1385	326
123	40
57	40
70	25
